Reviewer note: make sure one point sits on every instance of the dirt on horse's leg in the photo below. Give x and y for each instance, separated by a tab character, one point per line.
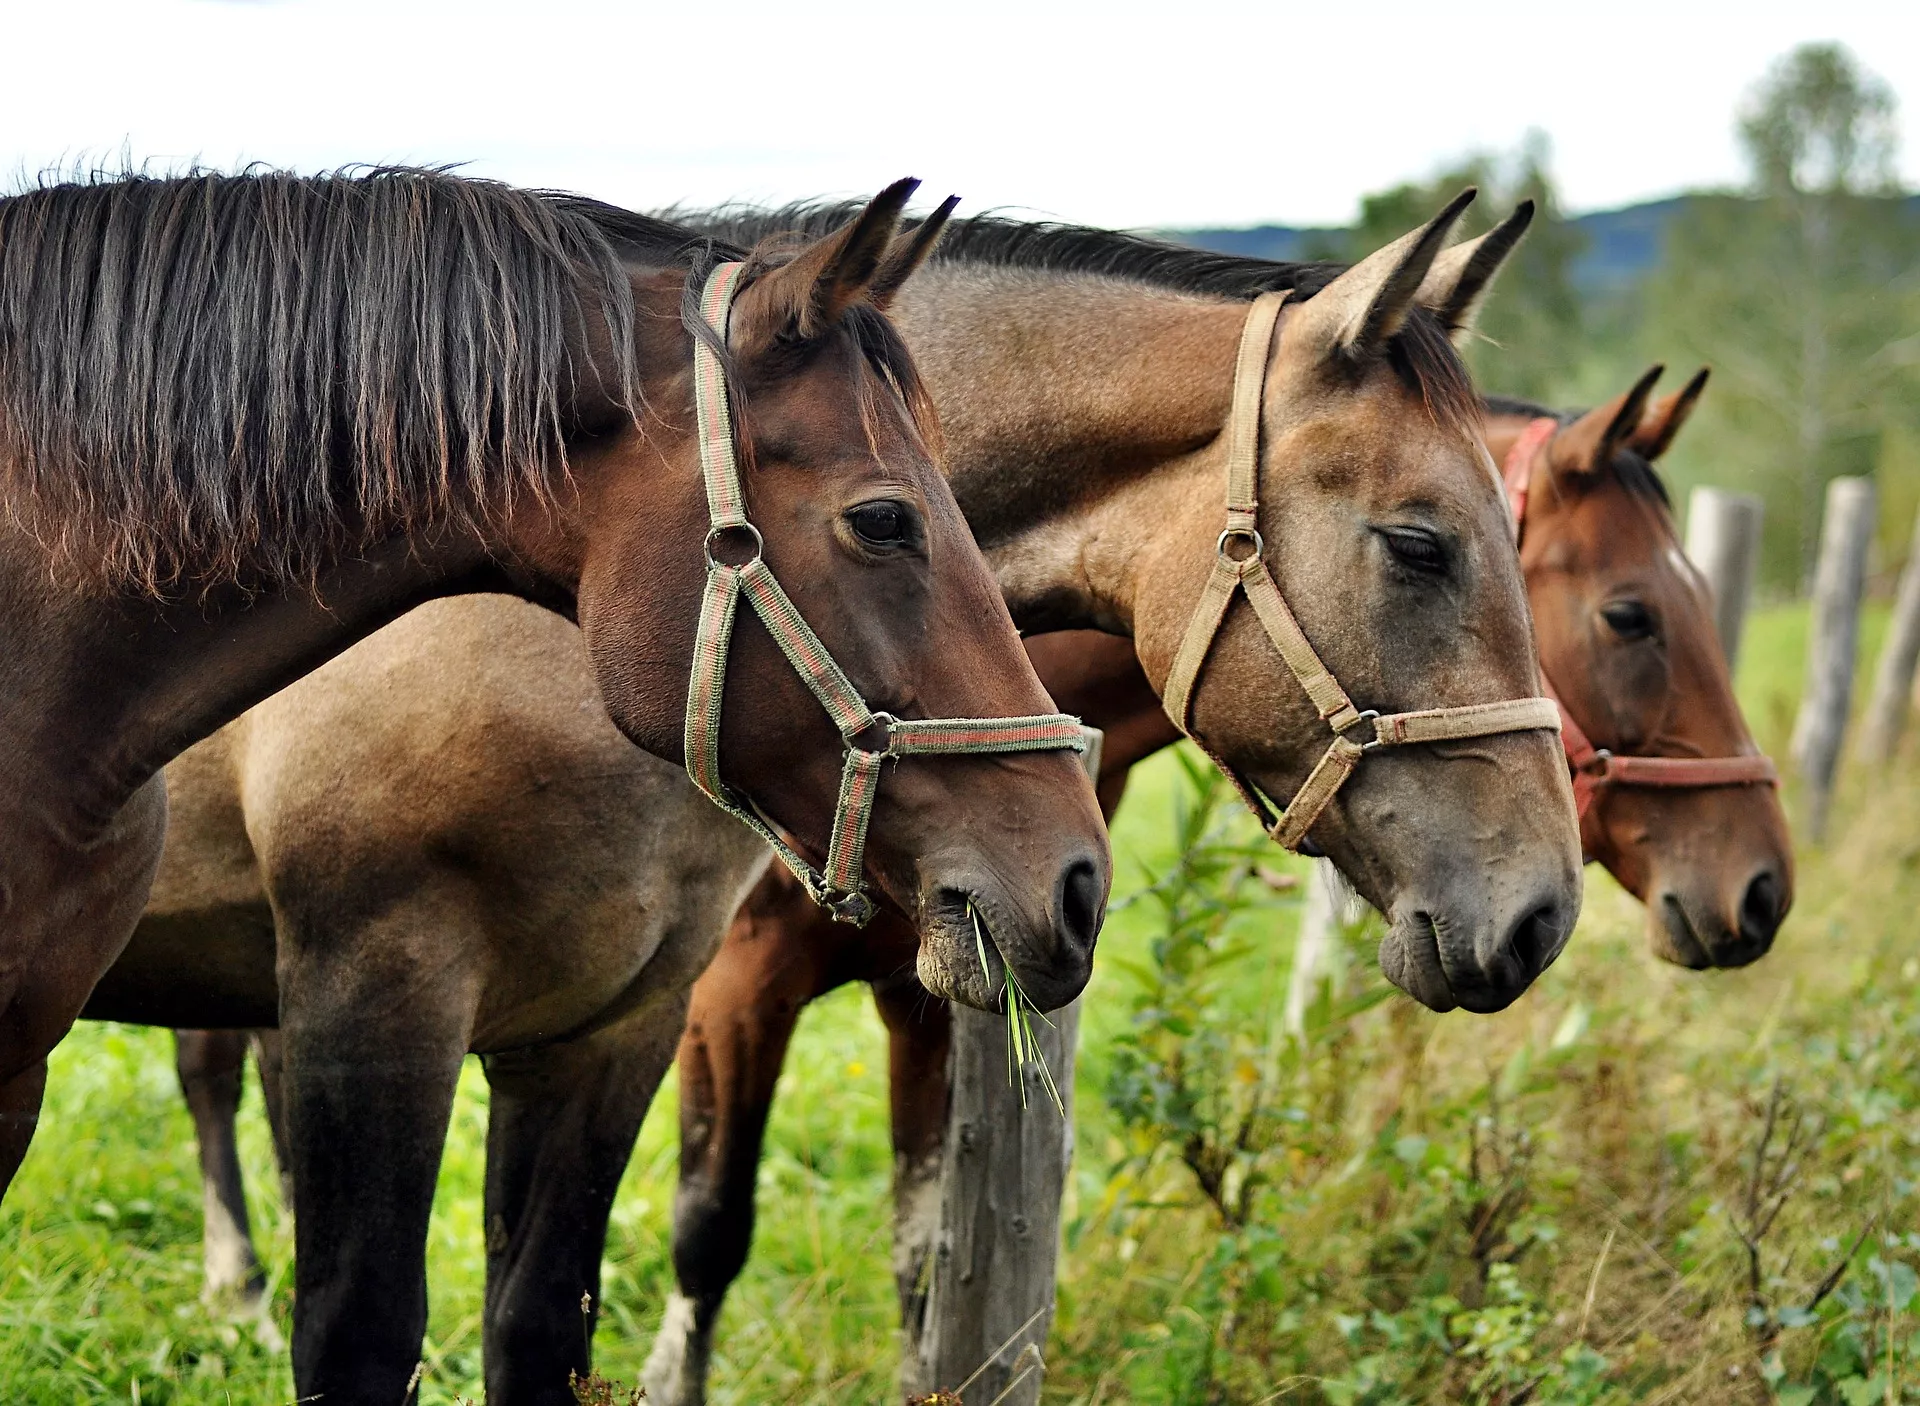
742	1018
65	914
561	1126
211	1064
375	1020
919	1040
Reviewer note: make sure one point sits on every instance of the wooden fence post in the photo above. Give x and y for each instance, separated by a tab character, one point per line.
1839	579
989	1305
1893	677
1723	541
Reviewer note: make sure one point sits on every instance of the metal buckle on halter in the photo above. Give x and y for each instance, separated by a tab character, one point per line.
1371	715
1249	534
1599	764
854	908
715	534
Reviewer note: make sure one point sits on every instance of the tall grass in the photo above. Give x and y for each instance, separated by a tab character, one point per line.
1546	1205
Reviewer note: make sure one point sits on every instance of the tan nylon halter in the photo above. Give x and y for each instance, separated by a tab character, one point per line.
1249	573
839	887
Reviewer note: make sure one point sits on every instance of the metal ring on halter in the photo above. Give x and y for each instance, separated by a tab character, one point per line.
885	722
1371	715
854	908
759	544
1252	534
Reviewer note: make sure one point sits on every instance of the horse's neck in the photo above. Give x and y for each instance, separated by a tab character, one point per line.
103	691
1071	407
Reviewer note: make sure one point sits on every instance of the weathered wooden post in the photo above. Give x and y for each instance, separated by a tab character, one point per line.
995	1255
1723	541
1893	677
989	1305
1839	579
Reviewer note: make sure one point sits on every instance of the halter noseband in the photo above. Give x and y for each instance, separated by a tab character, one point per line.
1249	573
839	888
1595	768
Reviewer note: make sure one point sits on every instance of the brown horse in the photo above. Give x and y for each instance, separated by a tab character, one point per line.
246	420
1627	639
269	826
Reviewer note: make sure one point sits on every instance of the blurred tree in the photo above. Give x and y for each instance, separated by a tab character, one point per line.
1803	294
1530	335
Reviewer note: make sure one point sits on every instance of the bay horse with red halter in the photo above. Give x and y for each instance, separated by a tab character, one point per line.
247	420
1675	801
1342	424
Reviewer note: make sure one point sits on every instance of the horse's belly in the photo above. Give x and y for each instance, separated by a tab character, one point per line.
207	970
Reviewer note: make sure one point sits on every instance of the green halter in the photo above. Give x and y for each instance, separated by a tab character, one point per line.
839	887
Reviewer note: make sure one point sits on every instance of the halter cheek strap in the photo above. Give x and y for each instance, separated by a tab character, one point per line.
1596	768
1239	566
839	887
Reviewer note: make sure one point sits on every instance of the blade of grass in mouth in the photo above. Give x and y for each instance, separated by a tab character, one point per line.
1022	1049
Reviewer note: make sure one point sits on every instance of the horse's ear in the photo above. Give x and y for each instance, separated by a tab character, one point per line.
1663	421
1457	283
1589	443
1356	314
907	252
811	293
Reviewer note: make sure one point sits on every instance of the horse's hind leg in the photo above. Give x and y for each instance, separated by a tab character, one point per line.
375	1020
269	1057
210	1064
560	1130
919	1040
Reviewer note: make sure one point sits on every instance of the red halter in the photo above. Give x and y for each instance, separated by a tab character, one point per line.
1594	767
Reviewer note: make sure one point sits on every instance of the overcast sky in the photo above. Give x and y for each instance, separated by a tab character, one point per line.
1179	113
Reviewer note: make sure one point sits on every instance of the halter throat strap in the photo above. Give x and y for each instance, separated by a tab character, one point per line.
1239	567
1595	768
870	738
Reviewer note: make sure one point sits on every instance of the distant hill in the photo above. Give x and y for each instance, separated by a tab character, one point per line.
1623	246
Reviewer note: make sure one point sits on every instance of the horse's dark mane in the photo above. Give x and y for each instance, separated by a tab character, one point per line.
1421	352
1637	473
209	378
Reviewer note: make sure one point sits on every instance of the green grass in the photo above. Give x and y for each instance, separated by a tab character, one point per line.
1636	1083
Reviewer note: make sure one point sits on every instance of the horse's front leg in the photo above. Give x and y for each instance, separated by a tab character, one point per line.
66	912
919	1041
374	1022
561	1126
778	956
211	1065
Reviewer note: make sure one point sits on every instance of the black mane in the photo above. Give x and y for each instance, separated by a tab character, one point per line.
1421	352
210	378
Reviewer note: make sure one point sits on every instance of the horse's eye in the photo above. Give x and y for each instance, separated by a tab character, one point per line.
1416	547
881	523
1628	619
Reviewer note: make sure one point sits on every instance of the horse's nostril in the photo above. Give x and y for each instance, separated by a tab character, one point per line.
1080	905
1760	907
1537	940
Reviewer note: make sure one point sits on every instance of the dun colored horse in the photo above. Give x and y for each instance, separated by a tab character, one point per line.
244	421
1626	639
536	914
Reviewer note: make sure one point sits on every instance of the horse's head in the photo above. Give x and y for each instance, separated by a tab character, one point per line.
1000	858
1626	634
1384	525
